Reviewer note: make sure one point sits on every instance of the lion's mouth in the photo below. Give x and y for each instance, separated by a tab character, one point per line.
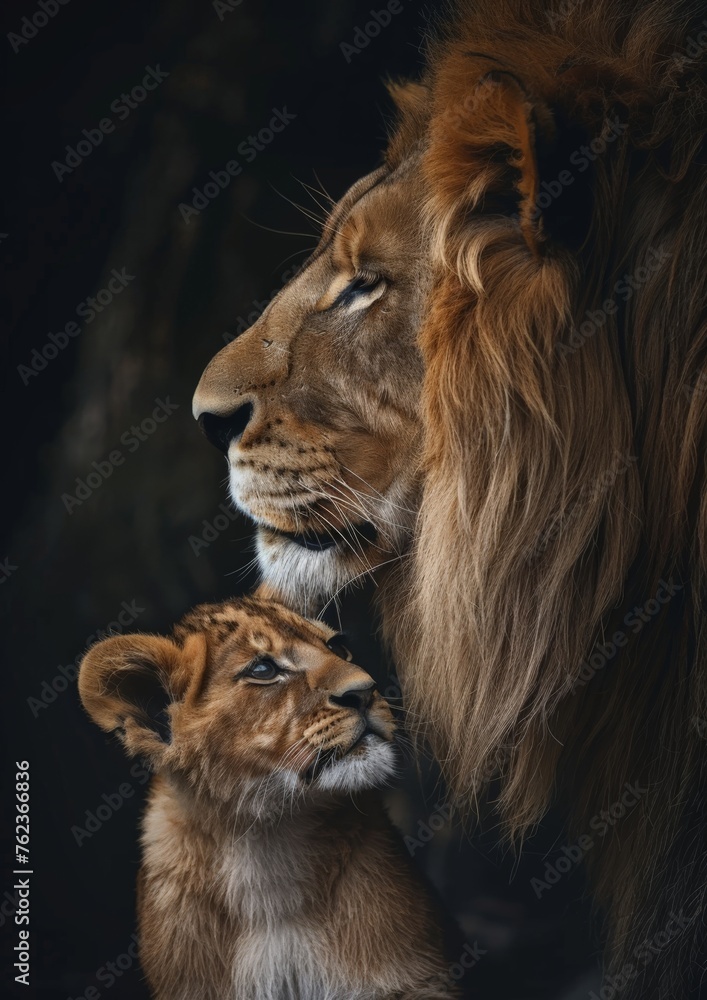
316	541
320	541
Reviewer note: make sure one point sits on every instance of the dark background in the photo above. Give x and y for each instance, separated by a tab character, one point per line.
68	573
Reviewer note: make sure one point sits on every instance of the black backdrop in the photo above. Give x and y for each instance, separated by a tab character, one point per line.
93	540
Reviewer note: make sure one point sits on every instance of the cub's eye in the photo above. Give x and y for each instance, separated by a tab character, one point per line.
262	670
362	291
336	645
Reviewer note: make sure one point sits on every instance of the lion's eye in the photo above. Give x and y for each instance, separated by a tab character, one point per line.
263	670
336	645
363	290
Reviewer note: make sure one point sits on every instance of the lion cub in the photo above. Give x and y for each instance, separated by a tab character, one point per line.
270	871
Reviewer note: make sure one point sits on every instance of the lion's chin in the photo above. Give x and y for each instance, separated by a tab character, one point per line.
306	572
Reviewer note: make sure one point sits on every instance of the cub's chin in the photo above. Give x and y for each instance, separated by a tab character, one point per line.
371	763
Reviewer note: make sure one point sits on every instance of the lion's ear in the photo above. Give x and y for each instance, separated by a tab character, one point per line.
483	150
127	684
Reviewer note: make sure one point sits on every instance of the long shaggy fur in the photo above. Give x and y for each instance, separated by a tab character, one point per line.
565	463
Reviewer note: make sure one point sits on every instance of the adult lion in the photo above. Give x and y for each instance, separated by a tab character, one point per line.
493	364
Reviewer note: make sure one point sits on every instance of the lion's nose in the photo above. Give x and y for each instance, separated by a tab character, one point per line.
359	698
222	430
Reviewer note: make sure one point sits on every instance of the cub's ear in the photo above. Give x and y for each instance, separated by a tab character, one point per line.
127	684
483	148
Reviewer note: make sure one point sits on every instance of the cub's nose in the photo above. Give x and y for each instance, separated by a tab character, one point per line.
358	697
222	430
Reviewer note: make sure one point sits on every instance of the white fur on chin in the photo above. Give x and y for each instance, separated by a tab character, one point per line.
371	769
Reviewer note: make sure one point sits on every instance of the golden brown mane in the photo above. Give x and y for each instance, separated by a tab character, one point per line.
555	629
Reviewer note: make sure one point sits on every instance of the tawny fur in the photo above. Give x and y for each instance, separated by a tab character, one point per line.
270	871
555	446
322	451
565	447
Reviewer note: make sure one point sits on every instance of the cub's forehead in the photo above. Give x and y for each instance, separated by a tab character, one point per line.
252	625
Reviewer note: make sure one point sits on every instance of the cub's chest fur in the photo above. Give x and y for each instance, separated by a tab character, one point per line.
283	962
269	874
277	884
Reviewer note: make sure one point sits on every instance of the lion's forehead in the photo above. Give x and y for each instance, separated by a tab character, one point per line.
386	221
379	215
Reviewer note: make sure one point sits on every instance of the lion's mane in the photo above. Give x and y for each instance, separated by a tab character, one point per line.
554	629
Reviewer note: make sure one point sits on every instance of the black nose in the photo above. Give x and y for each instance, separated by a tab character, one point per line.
222	430
357	698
